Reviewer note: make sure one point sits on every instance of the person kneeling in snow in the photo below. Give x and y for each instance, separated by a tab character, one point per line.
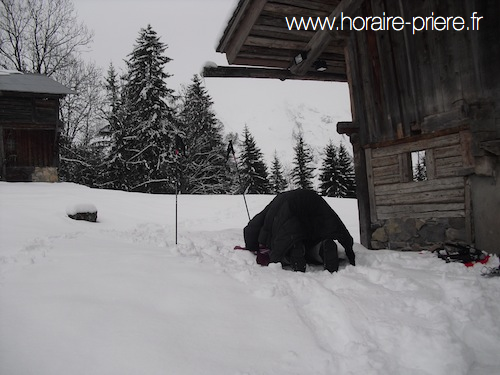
298	227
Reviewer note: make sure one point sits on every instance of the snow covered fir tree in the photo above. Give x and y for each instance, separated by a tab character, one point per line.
303	170
337	173
146	159
131	139
253	169
329	172
202	165
113	133
347	180
276	177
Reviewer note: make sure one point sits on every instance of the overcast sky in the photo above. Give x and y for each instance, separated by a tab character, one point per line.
192	30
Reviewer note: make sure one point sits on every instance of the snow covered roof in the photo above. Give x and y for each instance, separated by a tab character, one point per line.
14	81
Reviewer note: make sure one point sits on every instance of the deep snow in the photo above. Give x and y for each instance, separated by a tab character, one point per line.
119	297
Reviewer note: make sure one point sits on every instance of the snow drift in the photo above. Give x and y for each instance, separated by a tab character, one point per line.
119	297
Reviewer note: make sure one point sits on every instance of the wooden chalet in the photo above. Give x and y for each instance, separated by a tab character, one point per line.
433	94
29	126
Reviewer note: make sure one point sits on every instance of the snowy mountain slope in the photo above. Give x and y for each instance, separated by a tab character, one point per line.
274	118
119	297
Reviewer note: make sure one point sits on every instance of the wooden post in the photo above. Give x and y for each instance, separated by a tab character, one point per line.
362	192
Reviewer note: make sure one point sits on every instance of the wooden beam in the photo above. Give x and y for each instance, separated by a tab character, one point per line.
320	41
281	74
347	127
271	42
240	28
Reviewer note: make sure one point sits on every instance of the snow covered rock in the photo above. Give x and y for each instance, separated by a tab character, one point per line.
82	211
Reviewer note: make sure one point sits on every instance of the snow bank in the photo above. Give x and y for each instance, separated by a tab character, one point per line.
122	298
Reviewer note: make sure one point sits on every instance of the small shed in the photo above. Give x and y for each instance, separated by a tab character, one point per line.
430	95
29	126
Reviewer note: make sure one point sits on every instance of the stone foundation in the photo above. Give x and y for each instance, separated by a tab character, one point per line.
45	174
417	234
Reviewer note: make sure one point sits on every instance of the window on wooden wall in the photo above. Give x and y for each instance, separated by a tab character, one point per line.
418	165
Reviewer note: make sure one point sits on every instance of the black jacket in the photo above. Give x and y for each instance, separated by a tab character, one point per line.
297	215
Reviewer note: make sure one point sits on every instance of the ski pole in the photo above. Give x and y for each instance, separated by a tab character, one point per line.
180	149
230	149
176	192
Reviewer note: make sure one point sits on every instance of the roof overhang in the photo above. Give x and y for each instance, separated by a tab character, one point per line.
17	82
259	41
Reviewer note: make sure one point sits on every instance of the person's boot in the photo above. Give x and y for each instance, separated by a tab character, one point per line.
297	257
330	255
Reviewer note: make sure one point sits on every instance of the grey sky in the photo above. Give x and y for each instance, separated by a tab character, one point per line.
192	29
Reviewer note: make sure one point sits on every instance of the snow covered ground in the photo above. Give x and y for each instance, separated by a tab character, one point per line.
119	297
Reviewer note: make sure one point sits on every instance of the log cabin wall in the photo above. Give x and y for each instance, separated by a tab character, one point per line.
438	92
29	130
409	213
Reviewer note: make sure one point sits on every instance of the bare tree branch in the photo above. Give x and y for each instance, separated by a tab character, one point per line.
40	36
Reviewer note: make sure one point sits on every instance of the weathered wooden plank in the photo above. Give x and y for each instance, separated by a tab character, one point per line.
411	61
353	80
418	145
441	196
362	195
421	186
430	163
274	43
371	189
282	32
387	180
370	94
403	108
281	74
421	215
466	148
390	170
387	83
447	151
452	117
240	28
453	161
405	167
421	208
449	52
385	160
448	171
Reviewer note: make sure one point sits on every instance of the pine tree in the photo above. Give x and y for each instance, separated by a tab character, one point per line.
329	175
204	164
253	169
114	133
303	171
276	178
346	181
147	119
419	168
337	173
